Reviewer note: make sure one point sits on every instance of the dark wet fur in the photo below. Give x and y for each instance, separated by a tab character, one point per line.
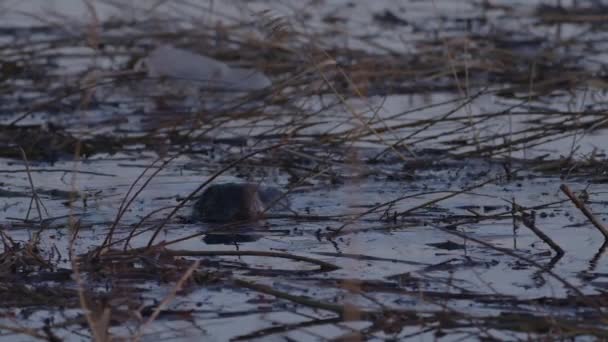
234	202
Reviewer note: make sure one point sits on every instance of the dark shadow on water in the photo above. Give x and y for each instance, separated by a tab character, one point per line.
229	238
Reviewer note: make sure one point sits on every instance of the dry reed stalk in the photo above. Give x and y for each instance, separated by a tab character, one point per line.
179	285
125	204
35	197
323	266
583	208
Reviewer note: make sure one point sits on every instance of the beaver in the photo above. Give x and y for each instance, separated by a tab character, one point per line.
237	202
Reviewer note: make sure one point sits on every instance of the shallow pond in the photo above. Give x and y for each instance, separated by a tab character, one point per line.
425	197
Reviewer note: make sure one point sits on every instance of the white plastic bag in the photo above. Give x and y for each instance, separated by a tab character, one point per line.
205	72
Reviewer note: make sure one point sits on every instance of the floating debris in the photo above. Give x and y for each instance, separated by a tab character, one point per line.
203	71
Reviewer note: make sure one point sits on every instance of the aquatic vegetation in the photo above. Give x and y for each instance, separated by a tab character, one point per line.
366	170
